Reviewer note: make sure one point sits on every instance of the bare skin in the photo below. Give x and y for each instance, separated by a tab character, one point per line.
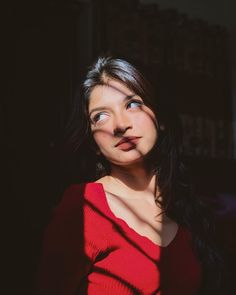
130	197
117	113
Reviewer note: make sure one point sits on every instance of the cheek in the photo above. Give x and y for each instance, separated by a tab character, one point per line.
101	138
147	122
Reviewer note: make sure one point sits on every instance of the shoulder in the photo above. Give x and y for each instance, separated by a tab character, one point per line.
81	210
81	190
188	237
78	195
83	203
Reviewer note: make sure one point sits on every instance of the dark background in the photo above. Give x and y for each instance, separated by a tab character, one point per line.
49	45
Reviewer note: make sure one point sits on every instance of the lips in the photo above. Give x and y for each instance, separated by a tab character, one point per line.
132	140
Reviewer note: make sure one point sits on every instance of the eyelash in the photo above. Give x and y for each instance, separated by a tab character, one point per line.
135	101
95	119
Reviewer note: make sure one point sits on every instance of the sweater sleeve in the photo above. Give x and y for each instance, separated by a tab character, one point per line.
68	248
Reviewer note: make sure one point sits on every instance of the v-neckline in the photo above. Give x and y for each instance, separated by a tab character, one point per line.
126	227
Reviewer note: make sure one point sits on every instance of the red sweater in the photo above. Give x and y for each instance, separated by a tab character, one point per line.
88	250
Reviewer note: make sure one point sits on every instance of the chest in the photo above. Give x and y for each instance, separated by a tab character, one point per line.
143	268
144	218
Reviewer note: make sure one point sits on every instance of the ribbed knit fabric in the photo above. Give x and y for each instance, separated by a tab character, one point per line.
88	250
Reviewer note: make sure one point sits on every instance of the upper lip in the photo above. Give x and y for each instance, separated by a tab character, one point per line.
126	139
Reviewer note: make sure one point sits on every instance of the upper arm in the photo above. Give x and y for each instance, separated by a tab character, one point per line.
66	255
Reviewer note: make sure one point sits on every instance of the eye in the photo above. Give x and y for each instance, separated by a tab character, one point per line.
134	104
99	117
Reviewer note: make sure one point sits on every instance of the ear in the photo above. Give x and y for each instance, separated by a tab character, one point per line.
162	127
98	152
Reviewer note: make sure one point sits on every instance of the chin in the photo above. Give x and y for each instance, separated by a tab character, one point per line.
128	162
130	158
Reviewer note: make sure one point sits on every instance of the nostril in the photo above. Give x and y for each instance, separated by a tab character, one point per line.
119	131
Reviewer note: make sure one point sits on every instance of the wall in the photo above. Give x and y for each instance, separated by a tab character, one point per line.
215	12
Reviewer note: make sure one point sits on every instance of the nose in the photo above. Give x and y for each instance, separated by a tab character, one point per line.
122	124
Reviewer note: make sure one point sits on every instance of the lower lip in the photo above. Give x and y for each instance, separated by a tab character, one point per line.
128	145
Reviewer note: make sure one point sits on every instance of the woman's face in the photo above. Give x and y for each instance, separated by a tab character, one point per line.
123	128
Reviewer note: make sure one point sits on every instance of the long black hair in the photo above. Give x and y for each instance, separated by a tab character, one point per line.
179	200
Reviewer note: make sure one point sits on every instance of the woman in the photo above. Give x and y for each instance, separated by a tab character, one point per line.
134	226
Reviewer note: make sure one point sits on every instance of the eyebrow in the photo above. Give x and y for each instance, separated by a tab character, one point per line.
127	98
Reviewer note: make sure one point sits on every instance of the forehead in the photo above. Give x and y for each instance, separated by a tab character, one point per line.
103	93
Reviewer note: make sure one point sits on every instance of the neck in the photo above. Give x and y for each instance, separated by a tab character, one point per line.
136	178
